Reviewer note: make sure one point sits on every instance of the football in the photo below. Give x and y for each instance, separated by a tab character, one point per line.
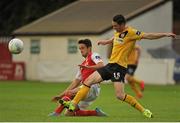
15	46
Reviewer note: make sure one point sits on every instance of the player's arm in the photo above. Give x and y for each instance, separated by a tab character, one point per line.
97	60
94	67
97	66
105	42
152	36
73	91
75	83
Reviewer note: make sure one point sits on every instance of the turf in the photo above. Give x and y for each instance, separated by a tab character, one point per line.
30	101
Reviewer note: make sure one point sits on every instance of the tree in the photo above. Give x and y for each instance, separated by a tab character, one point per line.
16	13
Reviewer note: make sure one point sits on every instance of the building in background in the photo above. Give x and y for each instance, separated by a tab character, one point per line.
50	43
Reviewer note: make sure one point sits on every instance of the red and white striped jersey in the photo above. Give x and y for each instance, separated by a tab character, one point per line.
91	59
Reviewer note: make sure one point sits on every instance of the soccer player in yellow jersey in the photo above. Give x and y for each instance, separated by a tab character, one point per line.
123	41
133	61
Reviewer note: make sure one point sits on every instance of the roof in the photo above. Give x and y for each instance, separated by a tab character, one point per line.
86	17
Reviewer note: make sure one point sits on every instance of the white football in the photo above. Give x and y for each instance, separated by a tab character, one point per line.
15	46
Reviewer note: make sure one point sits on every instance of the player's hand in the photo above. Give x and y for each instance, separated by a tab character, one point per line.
84	66
102	42
171	35
56	98
70	93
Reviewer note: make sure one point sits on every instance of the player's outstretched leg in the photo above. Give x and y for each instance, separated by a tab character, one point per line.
120	94
147	113
136	90
133	102
96	112
132	82
72	105
60	108
58	111
100	112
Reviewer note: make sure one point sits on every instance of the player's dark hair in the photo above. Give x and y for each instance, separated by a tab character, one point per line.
120	19
87	42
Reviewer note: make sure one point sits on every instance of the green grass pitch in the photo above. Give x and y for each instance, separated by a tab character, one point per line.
30	101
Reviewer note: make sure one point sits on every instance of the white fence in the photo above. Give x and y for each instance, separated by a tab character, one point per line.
152	71
156	71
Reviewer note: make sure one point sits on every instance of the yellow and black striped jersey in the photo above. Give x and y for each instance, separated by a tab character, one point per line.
123	44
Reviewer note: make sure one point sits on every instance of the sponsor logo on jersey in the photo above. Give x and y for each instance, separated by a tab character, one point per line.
97	57
138	33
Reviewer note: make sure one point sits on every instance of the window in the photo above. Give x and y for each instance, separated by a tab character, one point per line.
35	46
72	46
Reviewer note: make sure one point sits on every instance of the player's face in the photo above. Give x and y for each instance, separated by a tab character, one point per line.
117	27
84	50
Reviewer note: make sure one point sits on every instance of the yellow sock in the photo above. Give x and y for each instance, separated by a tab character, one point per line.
133	102
135	80
134	88
81	94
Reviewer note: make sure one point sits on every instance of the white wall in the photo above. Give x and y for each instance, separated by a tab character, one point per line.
156	20
156	71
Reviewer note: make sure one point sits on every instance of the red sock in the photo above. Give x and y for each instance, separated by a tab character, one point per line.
60	108
85	113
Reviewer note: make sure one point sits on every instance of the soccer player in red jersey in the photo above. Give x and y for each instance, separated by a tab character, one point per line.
92	62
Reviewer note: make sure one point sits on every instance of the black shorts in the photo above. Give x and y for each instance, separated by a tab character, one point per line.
131	69
113	72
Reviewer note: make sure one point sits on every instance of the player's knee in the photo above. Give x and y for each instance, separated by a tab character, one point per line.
88	82
87	85
94	78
